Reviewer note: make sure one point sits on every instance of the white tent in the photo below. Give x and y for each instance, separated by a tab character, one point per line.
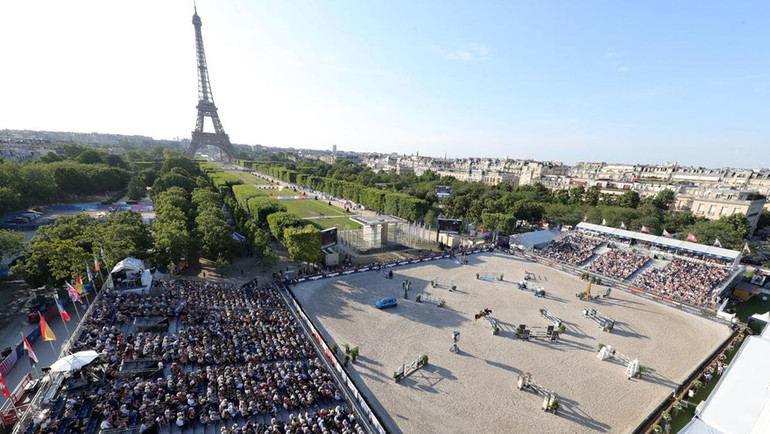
529	240
129	275
128	264
740	402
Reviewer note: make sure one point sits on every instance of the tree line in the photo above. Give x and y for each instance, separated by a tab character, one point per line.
502	207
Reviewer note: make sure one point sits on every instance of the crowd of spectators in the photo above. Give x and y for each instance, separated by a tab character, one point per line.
618	264
574	248
230	357
692	282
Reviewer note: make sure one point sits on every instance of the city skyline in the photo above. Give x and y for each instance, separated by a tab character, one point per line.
558	82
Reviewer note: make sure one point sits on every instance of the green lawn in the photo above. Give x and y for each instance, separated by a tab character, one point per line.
312	208
248	178
751	306
338	222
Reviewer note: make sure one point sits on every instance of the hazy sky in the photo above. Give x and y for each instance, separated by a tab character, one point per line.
618	81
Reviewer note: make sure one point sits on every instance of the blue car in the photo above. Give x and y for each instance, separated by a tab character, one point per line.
386	303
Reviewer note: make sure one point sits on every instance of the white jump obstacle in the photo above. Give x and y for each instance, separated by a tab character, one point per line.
550	400
427	298
405	370
489	276
604	323
633	367
539	291
550	318
550	333
442	283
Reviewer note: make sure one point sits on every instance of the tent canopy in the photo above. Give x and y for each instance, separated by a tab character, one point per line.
529	240
130	265
665	242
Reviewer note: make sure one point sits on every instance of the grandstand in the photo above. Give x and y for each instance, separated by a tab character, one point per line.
672	270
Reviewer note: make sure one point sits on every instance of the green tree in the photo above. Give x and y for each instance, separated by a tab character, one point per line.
664	199
629	199
431	216
279	221
303	244
9	200
592	196
577	194
136	188
92	156
11	244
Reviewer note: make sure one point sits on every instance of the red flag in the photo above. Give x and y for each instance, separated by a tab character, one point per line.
45	330
4	388
691	237
63	312
645	229
29	348
97	267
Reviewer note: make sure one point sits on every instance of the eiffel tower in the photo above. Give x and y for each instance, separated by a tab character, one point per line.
206	107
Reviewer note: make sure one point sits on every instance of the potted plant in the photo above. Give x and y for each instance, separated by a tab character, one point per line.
601	345
561	328
666	416
677	407
335	348
454	287
424	359
477	276
418	299
442	303
396	377
542	311
555	405
432	284
500	278
495	330
347	359
353	354
347	348
657	428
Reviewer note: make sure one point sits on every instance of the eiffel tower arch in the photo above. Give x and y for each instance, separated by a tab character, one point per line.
206	107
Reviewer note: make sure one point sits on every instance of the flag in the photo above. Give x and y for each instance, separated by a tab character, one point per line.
73	293
717	243
623	225
45	330
667	233
97	267
30	352
691	237
645	229
604	222
62	311
88	272
79	284
101	250
746	248
4	388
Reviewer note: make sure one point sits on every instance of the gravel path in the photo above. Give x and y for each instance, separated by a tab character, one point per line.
474	391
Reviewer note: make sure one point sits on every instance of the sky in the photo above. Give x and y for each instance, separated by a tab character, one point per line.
626	82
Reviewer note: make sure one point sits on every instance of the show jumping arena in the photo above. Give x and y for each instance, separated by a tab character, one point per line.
475	390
